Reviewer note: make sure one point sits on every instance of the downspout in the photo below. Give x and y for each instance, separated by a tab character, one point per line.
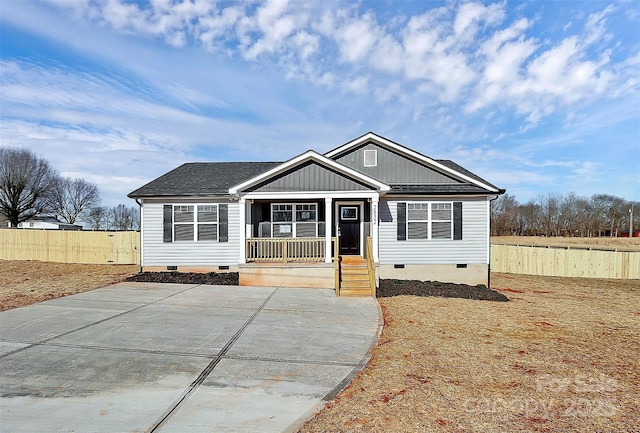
489	256
140	225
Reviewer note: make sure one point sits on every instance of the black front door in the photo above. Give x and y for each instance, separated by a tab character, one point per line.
349	229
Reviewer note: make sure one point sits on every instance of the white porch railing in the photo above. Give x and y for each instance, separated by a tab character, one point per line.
286	250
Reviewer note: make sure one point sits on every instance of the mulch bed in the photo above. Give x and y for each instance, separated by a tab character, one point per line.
387	288
390	288
213	278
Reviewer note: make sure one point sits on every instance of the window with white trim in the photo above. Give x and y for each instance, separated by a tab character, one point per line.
370	158
426	220
195	223
417	220
441	220
294	220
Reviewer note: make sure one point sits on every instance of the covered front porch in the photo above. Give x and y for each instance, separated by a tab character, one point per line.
290	228
302	217
328	242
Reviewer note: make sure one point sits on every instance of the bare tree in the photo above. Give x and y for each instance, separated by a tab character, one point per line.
532	219
568	215
562	215
97	218
550	212
504	215
584	217
25	184
122	217
73	198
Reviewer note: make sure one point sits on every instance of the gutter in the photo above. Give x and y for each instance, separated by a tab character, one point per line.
140	224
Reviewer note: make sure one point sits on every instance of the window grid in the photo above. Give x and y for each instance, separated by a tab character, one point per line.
441	221
195	223
294	220
428	220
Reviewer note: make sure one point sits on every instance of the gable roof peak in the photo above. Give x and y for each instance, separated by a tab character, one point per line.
309	155
456	172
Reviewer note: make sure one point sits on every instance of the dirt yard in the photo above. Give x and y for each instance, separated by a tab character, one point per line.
561	356
26	282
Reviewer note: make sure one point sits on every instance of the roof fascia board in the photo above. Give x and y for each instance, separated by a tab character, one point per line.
182	198
414	197
306	156
309	195
370	136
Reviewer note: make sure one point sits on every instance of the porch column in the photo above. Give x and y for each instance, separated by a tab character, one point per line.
375	208
242	231
328	228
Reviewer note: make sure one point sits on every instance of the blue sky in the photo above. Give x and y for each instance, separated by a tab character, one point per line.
537	97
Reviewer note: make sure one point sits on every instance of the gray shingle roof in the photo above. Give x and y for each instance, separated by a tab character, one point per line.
452	165
442	189
202	179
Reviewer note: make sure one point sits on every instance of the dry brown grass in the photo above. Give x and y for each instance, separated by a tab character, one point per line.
632	244
26	282
562	356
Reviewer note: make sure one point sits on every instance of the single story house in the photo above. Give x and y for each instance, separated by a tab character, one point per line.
48	223
368	209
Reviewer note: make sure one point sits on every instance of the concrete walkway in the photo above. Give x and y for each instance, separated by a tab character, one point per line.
145	357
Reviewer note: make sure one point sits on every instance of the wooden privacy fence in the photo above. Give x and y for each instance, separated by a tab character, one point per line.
565	262
120	248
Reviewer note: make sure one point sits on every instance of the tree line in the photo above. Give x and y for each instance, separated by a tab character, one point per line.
563	215
30	187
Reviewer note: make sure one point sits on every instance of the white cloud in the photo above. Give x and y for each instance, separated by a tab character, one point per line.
433	58
307	44
357	85
274	25
356	38
470	15
455	75
459	53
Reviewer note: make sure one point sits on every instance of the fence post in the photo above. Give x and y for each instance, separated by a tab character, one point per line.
284	250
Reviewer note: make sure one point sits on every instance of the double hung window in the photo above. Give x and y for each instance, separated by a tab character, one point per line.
426	220
195	222
441	221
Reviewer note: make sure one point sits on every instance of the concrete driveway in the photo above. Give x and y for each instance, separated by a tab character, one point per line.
145	357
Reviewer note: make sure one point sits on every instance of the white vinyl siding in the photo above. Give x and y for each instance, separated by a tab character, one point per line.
472	248
181	253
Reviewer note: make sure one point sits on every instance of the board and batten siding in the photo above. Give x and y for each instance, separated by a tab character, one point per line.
471	249
158	253
310	177
393	168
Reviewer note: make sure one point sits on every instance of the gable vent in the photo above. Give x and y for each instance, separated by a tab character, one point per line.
370	158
